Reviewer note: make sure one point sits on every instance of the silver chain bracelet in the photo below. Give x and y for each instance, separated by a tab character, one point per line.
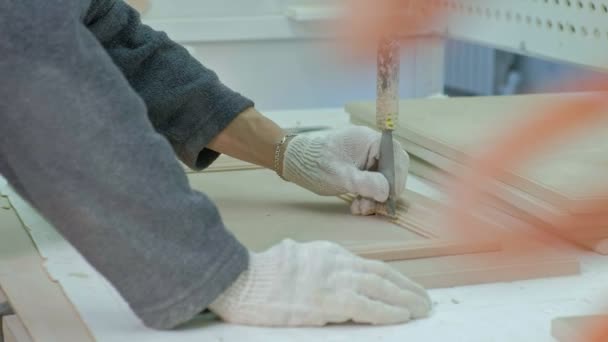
277	153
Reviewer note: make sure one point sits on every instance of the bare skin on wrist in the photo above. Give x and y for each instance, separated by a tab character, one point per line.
251	137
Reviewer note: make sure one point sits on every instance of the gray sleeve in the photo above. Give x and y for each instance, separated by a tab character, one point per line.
76	142
186	102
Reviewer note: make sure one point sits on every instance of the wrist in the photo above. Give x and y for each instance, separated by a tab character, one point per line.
250	137
255	286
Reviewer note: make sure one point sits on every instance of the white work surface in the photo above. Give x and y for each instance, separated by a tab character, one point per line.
516	311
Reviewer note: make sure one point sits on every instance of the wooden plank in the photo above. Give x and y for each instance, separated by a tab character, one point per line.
576	329
417	249
17	252
38	301
252	202
461	127
43	308
518	259
13	330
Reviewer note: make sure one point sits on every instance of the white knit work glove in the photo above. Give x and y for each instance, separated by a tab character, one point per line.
342	161
313	284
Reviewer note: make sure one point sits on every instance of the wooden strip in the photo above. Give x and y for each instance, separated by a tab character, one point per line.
576	329
422	249
402	219
38	301
17	252
427	171
414	227
407	224
493	272
43	308
14	331
517	260
231	168
225	163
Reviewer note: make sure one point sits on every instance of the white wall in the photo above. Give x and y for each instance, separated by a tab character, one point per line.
290	74
282	63
163	9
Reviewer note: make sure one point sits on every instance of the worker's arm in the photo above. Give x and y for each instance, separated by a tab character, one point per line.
200	116
76	142
186	102
251	137
327	163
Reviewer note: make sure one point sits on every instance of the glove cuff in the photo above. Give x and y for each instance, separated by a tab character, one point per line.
253	287
301	160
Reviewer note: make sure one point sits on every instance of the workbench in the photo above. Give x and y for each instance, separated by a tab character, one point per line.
515	311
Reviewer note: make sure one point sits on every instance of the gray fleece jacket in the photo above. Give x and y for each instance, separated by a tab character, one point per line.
94	107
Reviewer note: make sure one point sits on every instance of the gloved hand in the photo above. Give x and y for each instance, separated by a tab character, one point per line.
343	161
313	284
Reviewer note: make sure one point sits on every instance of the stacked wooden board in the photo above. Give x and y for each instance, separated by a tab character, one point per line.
442	135
579	328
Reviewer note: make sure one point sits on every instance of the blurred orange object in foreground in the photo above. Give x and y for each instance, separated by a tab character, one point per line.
518	145
368	21
600	332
